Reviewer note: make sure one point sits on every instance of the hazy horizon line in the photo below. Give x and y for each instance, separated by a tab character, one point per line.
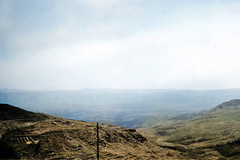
169	89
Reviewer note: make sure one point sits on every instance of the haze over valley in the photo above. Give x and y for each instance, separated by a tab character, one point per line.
130	108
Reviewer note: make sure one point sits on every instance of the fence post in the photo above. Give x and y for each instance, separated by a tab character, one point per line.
97	142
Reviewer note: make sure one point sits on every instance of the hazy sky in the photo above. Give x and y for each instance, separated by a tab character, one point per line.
150	44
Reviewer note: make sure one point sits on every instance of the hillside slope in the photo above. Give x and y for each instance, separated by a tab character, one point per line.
216	130
9	112
58	138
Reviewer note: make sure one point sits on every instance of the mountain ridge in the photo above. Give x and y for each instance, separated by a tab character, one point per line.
232	104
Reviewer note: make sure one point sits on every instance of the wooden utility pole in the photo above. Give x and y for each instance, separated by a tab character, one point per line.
97	142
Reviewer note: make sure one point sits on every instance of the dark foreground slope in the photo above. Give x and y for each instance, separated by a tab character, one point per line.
58	138
214	132
8	112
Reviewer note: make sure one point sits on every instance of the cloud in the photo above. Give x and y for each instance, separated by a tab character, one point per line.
104	4
100	52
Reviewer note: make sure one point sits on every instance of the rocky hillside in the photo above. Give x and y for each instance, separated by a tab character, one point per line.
58	138
214	132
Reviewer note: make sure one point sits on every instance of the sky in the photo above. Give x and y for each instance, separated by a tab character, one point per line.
120	44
